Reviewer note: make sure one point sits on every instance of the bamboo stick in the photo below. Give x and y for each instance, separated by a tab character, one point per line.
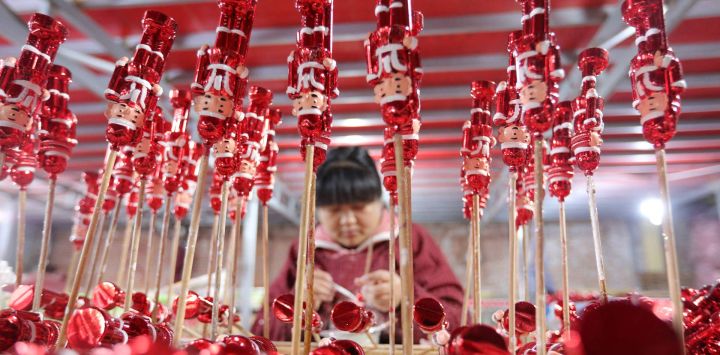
82	263
173	259
218	250
22	202
95	254
234	261
671	262
148	251
212	261
134	248
391	254
310	269
44	245
597	242
512	298
109	241
161	257
539	249
565	276
477	295
405	267
302	253
190	251
266	272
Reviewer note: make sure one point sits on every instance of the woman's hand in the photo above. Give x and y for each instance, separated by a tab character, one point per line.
323	288
375	288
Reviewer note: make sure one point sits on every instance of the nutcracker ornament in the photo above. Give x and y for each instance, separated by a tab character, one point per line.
23	80
218	89
476	143
586	140
312	84
657	83
560	174
514	139
132	94
264	183
394	71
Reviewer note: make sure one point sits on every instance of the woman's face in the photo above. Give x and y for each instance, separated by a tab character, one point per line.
351	224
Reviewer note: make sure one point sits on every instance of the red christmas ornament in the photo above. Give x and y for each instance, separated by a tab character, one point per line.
349	317
23	171
512	133
92	327
107	296
23	326
175	142
220	72
52	303
587	112
267	166
282	309
22	80
655	72
57	126
134	87
429	315
476	339
478	137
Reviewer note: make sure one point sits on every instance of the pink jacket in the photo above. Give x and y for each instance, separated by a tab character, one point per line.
433	276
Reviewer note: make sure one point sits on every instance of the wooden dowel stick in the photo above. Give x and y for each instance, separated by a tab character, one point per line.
218	250
565	276
671	261
407	176
22	202
44	245
161	256
405	267
266	272
525	270
391	255
71	269
95	257
234	261
109	241
512	298
127	234
148	251
477	296
302	253
597	241
539	249
227	259
310	269
134	248
190	250
82	263
2	160
173	259
217	286
468	278
212	260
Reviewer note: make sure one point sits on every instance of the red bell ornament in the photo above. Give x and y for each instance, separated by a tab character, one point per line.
348	316
92	327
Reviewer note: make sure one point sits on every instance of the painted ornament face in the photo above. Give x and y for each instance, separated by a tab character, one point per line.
656	102
213	104
122	114
246	167
513	133
143	148
170	167
535	92
311	102
394	88
475	164
595	139
14	114
225	148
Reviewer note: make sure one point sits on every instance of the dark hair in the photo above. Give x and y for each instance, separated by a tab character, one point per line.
348	176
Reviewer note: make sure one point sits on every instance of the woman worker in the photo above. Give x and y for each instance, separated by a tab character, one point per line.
352	217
